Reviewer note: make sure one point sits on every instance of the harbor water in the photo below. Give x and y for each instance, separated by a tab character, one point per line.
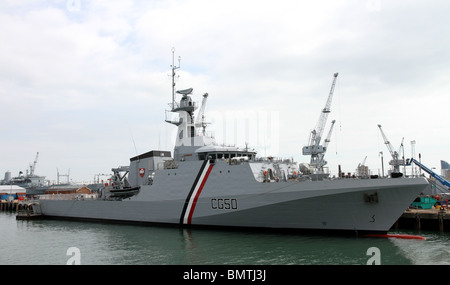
58	242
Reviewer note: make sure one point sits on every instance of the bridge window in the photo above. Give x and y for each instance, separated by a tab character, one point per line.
224	155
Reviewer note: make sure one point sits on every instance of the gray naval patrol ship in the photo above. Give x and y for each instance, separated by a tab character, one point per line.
207	184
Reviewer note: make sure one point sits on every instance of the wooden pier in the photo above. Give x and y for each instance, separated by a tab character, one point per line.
421	219
9	206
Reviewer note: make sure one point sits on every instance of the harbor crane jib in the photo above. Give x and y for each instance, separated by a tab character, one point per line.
33	167
395	162
314	147
321	161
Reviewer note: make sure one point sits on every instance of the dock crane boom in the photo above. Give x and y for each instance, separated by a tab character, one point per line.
395	162
314	148
321	161
33	167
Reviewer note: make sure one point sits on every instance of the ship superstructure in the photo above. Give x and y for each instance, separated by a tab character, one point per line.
34	184
207	184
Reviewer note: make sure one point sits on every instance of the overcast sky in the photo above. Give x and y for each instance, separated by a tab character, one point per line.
86	83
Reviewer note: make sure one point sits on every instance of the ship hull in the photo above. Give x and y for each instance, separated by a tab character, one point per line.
36	191
219	194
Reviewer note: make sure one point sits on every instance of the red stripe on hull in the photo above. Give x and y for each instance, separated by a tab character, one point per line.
194	202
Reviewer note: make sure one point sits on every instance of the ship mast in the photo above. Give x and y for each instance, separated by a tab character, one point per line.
188	140
173	75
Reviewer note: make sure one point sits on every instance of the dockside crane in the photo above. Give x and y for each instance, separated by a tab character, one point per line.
362	170
314	148
33	167
321	161
395	162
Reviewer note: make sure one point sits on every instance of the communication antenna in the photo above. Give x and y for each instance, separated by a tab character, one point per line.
173	75
413	155
134	143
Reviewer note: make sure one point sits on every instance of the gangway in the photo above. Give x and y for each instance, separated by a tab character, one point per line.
429	171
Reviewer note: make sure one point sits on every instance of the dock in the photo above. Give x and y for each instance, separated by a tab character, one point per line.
28	210
9	206
25	209
424	219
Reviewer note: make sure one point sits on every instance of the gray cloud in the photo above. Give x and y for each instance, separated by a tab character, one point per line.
78	79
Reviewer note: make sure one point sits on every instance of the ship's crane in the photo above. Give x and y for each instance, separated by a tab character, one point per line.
314	148
200	121
395	162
